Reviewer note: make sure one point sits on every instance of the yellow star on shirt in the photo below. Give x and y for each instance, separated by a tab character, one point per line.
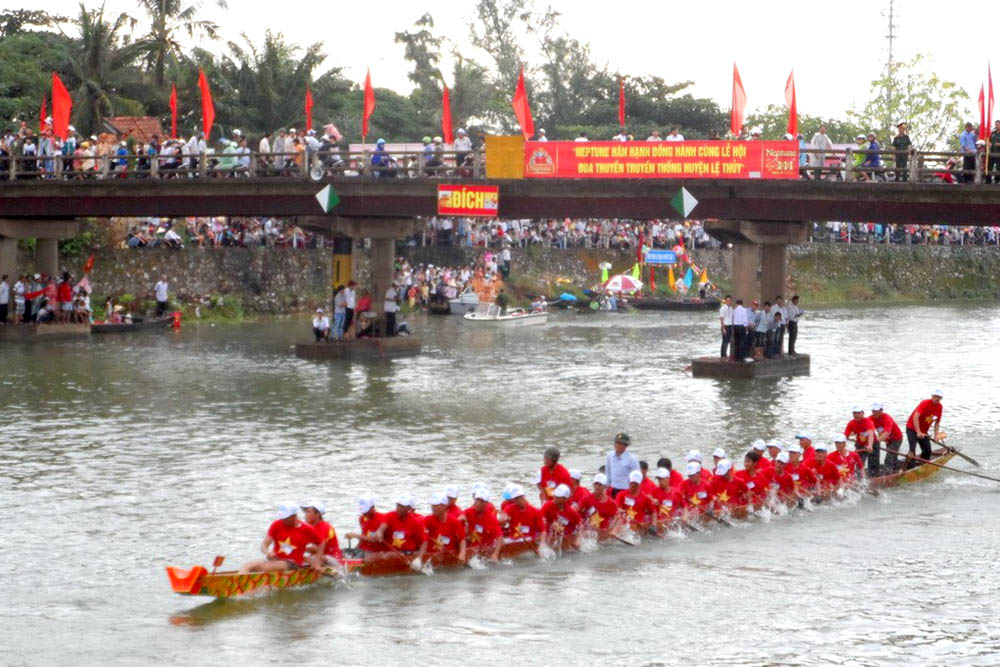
694	500
630	513
332	535
439	541
723	497
665	510
474	537
286	547
595	520
842	470
398	541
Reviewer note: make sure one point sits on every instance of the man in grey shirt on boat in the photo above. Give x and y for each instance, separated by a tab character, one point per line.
619	464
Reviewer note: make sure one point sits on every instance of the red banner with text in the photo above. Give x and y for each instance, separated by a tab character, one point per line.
661	159
483	200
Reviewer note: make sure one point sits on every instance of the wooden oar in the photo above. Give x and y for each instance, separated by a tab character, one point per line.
409	560
960	454
941	465
724	522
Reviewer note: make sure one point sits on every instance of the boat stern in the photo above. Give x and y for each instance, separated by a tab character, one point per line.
186	582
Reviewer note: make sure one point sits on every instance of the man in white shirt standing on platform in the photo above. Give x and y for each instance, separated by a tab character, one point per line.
619	464
391	308
794	313
160	290
4	299
726	324
780	307
741	322
351	300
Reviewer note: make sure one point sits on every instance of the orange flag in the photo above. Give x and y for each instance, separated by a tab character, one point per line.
207	108
446	132
793	111
739	104
521	107
369	104
62	106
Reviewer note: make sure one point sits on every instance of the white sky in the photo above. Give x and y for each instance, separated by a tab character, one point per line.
836	49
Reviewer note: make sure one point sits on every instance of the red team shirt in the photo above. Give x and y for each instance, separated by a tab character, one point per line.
857	428
525	523
583	499
730	493
697	495
847	465
404	534
667	502
324	531
553	477
484	528
290	542
564	521
929	409
638	509
827	475
782	485
444	535
887	423
803	477
602	512
757	484
369	526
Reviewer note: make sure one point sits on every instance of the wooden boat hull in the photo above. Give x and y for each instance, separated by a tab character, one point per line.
915	474
131	327
361	349
508	321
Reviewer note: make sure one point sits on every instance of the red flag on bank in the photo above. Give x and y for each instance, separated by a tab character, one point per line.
984	132
739	104
42	113
446	132
369	103
207	108
309	109
89	265
62	106
173	111
793	111
621	102
521	107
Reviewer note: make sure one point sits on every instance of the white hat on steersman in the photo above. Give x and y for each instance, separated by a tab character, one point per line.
937	392
725	465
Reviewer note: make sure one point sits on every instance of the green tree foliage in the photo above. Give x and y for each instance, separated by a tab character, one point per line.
773	122
168	20
906	92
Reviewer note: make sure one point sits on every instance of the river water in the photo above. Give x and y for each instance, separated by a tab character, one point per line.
121	455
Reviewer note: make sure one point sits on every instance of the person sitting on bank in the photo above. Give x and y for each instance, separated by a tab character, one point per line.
366	325
321	326
502	301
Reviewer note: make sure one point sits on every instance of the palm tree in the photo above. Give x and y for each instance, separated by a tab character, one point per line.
101	68
169	18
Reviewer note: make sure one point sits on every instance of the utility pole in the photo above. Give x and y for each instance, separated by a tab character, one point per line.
891	37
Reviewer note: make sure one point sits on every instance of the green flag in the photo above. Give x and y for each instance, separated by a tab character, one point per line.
328	198
684	202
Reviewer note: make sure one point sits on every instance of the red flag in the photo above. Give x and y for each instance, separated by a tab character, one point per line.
207	108
621	102
369	103
89	265
739	104
173	111
984	132
309	109
652	282
521	107
42	113
638	250
793	111
62	105
446	116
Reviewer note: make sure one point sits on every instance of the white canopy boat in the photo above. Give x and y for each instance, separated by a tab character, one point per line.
488	314
464	303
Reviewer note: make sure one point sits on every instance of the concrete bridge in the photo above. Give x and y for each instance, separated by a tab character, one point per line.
760	217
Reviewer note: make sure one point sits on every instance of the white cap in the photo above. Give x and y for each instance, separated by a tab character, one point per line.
562	491
436	499
460	131
725	465
795	448
601	478
662	472
317	505
451	492
575	474
803	435
789	136
755	130
287	509
693	468
876	406
237	133
365	503
720	452
782	457
774	442
635	476
541	131
759	445
821	447
693	455
481	493
937	392
857	408
406	500
515	491
319	310
839	438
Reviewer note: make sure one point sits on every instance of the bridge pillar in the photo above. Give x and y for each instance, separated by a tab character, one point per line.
760	244
47	256
8	259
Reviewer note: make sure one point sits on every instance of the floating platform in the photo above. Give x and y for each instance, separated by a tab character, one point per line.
651	303
361	349
783	366
43	332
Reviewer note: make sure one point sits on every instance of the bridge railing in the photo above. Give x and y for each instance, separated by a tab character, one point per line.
860	164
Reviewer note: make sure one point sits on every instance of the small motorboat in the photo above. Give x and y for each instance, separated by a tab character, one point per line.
488	314
464	303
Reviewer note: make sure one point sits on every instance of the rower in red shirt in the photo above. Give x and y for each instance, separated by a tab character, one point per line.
372	528
451	493
526	522
848	464
445	533
782	485
806	443
804	478
404	531
827	476
862	431
581	499
887	433
552	474
667	500
561	520
329	546
918	425
728	490
774	447
647	484
696	491
676	479
634	504
285	543
483	528
604	509
755	478
764	464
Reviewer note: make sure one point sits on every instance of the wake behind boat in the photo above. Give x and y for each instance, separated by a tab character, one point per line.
489	315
